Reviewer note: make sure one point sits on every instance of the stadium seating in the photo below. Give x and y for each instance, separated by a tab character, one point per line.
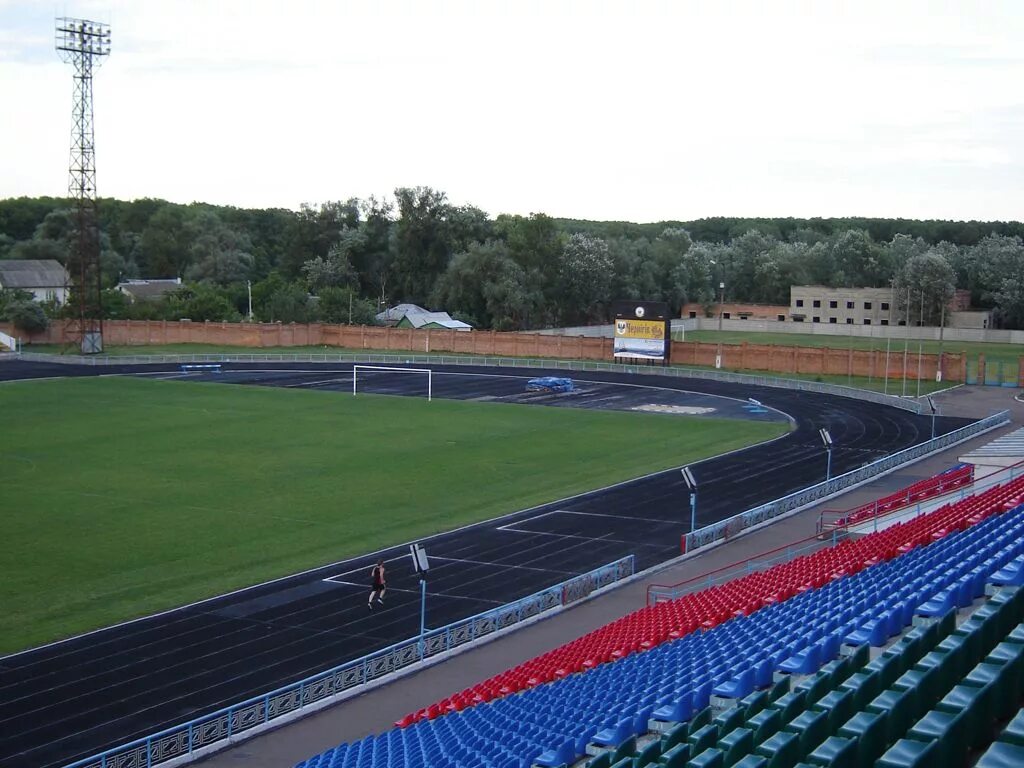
653	625
944	482
936	692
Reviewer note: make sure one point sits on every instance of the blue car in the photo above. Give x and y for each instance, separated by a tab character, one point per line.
550	384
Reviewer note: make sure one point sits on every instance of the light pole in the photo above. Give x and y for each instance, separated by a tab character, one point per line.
248	285
931	404
721	303
691	483
422	565
826	438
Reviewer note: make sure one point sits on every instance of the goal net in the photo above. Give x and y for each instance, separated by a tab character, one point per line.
392	380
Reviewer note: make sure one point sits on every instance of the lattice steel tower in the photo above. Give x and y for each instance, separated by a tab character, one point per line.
84	44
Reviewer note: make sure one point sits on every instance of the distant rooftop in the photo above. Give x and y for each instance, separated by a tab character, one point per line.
32	273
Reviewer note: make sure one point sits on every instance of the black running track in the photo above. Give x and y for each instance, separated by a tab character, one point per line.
73	699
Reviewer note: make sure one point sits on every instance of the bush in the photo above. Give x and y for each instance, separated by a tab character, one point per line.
27	316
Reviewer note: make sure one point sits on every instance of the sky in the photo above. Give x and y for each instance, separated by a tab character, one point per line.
639	111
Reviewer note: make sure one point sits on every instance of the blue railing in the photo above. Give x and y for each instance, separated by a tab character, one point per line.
731	526
239	721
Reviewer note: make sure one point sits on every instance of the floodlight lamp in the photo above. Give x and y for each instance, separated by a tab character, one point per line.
752	401
826	438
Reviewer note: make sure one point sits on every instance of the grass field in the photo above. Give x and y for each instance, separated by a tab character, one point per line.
992	351
124	496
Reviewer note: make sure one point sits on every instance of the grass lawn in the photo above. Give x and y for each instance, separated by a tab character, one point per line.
992	351
124	496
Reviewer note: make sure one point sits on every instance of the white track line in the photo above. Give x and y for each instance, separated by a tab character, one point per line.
434	594
496	565
617	517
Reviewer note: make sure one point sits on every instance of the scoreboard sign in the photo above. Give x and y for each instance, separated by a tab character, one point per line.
642	330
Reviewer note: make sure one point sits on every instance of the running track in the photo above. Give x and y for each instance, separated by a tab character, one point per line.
70	700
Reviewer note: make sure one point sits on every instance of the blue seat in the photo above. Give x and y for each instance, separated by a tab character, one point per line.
1011	575
612	737
738	687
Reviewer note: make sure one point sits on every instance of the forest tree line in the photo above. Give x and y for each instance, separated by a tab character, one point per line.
346	261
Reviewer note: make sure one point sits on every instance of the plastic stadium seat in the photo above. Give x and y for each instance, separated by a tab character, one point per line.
1002	755
907	753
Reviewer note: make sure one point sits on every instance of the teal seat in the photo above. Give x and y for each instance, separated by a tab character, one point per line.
907	753
782	750
752	761
811	726
839	706
1005	698
949	731
974	702
864	685
736	745
625	749
701	719
1012	655
755	702
648	755
1013	733
603	760
781	688
676	757
817	686
765	724
790	704
675	735
899	708
924	684
626	762
860	657
709	758
703	738
887	667
730	718
1002	755
868	730
835	752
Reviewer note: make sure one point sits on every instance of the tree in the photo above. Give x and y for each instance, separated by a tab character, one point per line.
342	305
858	260
200	302
27	316
925	284
585	274
486	283
423	245
218	254
288	304
336	270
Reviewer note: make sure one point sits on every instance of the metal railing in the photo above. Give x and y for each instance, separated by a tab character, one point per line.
908	404
238	721
657	593
731	526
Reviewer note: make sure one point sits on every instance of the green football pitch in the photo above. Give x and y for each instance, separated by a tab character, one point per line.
124	496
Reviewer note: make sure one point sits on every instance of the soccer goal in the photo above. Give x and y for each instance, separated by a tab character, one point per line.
377	370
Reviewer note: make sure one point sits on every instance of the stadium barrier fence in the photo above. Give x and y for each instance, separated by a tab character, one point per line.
908	404
736	524
211	732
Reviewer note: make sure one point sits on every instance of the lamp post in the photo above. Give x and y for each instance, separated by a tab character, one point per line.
931	404
248	285
691	483
422	565
721	302
826	438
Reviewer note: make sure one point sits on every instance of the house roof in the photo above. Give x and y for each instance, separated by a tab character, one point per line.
397	312
442	319
32	273
148	289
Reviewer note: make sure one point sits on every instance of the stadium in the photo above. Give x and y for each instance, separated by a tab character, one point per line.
887	634
401	481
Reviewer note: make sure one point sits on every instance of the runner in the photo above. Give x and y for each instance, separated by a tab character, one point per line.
380	585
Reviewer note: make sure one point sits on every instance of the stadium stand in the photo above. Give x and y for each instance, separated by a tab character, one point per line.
789	685
653	625
955	477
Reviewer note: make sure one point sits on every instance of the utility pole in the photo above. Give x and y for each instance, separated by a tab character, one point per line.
84	44
721	303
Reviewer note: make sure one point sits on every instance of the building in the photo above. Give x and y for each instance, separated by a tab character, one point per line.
148	290
736	311
45	279
413	316
842	306
872	306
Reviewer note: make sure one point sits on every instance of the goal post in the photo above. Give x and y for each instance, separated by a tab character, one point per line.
392	369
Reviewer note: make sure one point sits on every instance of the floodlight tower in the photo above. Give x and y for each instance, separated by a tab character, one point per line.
84	44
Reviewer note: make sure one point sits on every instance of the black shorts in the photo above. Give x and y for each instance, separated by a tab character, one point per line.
377	586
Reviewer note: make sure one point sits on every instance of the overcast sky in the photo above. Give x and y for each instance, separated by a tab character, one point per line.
641	111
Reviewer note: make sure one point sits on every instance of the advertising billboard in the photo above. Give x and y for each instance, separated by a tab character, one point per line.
642	330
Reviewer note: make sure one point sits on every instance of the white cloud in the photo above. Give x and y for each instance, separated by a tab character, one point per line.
642	111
